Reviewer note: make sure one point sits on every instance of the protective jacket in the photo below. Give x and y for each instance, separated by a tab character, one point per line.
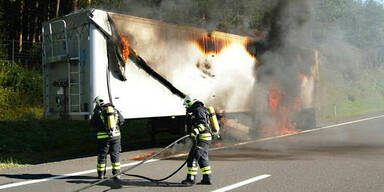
106	119
197	117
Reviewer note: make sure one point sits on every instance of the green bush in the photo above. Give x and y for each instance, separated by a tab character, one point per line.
20	79
21	92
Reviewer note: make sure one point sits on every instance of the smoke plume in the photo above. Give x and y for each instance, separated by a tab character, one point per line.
292	37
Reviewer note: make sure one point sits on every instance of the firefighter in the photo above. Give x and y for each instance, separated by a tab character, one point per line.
106	119
197	124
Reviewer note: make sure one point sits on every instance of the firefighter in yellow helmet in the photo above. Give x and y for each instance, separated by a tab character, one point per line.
106	119
197	123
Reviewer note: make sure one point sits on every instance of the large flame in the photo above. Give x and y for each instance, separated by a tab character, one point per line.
279	121
125	50
124	47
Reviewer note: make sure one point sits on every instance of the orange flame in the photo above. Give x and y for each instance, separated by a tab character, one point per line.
274	98
210	44
286	125
124	47
248	47
279	121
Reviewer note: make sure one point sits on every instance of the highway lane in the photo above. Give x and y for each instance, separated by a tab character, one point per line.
342	158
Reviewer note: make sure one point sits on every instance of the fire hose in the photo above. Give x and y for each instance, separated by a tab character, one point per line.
169	176
142	162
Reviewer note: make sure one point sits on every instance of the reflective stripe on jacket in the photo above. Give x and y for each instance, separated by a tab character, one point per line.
205	136
103	135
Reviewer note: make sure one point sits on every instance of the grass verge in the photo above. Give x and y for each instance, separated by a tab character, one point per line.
346	99
9	163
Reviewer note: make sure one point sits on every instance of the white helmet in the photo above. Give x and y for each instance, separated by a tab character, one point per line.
99	101
188	101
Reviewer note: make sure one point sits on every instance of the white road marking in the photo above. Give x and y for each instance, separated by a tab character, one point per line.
345	123
239	184
66	175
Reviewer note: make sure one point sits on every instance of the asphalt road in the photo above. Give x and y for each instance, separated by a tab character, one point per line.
347	157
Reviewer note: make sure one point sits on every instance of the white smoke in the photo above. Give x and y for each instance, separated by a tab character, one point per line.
293	32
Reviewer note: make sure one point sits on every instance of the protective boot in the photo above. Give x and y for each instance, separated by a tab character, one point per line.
101	174
117	177
190	180
206	180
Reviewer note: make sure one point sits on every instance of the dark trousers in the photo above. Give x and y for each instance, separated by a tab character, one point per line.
105	147
198	155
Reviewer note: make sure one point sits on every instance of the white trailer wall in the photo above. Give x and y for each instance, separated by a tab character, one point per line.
224	79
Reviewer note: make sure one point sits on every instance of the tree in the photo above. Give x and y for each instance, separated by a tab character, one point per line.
2	25
361	22
75	5
21	26
57	8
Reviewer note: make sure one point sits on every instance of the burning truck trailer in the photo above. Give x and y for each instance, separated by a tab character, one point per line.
289	97
145	68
